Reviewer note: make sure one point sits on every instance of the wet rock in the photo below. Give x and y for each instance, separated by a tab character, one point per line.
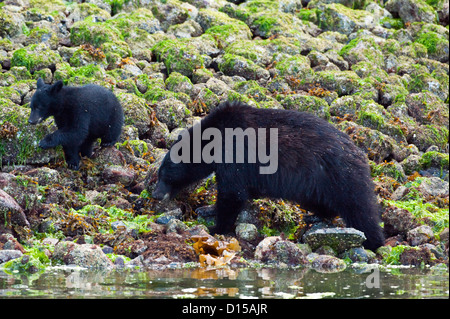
358	255
443	236
434	186
340	239
179	56
337	17
187	29
172	112
109	156
417	256
411	10
11	214
231	64
44	175
86	255
118	174
247	232
8	242
420	235
325	263
164	218
411	164
377	145
274	250
176	226
397	221
8	254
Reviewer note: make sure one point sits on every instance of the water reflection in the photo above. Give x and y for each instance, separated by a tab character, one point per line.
225	283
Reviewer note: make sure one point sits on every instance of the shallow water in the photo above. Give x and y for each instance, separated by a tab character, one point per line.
362	282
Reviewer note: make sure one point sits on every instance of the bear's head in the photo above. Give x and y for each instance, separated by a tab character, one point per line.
172	177
43	101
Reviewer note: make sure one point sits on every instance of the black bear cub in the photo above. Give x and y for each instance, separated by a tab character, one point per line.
82	114
318	167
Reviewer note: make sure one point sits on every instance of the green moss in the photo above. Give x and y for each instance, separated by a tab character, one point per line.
392	23
175	79
35	57
432	41
298	66
311	15
391	169
178	55
265	23
434	159
227	33
311	104
95	33
35	259
116	5
391	256
423	212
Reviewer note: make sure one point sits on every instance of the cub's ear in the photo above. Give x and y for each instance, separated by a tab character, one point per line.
40	83
56	87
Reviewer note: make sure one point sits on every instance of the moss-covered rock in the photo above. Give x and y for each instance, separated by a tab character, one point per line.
310	104
179	56
362	49
11	24
375	144
337	17
298	66
35	57
226	34
177	82
342	82
424	136
411	10
436	44
427	108
93	32
231	64
18	140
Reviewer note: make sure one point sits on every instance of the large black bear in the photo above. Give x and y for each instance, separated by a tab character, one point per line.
82	114
318	167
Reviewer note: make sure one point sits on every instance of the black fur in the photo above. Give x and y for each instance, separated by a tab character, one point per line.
82	114
319	167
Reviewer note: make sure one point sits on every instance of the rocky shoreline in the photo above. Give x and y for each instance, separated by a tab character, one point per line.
376	70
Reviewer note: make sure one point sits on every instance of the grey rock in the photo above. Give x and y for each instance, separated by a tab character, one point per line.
434	186
411	10
275	250
420	235
358	255
340	239
246	231
325	263
397	221
86	255
168	216
9	254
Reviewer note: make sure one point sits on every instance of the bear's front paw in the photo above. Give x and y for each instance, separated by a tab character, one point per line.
75	166
47	142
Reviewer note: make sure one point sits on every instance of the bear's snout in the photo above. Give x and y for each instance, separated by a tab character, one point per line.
158	195
34	121
161	191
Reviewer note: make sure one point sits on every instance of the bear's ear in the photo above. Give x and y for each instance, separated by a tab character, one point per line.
40	83
56	87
